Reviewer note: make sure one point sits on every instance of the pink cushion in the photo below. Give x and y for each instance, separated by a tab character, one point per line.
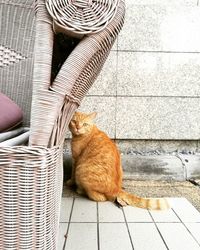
10	114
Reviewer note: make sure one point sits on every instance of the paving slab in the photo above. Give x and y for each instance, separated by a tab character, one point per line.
109	213
84	210
66	207
145	236
194	229
114	236
177	236
135	229
164	216
62	235
134	214
185	210
82	236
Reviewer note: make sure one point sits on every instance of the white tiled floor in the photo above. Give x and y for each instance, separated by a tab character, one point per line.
87	225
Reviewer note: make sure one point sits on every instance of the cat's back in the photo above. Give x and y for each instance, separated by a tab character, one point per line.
100	139
100	145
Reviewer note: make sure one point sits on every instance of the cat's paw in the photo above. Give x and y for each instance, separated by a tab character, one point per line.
80	191
70	183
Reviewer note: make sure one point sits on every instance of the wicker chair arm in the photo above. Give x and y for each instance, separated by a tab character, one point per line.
59	100
86	61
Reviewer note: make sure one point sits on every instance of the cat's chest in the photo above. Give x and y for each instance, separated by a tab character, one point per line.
77	149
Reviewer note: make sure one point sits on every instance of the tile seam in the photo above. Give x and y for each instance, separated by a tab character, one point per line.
116	92
183	223
131	222
127	227
159	51
159	231
67	232
98	234
145	96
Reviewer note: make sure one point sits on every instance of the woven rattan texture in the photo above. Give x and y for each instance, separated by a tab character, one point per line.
21	3
72	82
17	29
30	197
85	62
82	16
9	56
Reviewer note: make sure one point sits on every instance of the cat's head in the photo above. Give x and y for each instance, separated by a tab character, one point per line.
82	123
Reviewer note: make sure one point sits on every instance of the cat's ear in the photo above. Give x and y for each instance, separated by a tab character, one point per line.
92	115
76	113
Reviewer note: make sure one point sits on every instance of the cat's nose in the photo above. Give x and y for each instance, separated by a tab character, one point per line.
78	127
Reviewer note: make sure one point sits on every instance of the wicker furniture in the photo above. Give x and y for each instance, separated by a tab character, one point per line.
74	79
31	176
82	16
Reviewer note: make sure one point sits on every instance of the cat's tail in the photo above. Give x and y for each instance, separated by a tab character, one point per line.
124	198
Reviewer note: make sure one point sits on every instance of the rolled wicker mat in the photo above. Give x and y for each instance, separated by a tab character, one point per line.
82	17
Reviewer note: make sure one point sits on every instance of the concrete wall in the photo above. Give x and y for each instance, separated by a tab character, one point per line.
149	89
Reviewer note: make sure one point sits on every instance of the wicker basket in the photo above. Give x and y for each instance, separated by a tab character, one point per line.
30	197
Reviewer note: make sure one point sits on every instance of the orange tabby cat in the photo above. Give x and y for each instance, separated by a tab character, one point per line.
97	170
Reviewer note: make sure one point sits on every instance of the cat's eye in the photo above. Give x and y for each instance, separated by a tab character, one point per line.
73	121
85	124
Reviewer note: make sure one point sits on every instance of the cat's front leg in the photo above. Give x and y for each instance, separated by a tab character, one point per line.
71	181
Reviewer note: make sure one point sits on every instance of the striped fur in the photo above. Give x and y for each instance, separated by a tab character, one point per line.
97	170
125	198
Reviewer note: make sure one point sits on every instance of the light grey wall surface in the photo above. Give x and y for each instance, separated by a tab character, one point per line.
149	88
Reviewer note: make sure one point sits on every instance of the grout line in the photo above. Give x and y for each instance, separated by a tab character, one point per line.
163	52
144	96
135	222
120	222
186	227
127	228
158	230
98	238
116	91
66	235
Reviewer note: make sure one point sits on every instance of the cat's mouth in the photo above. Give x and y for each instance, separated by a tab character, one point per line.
77	132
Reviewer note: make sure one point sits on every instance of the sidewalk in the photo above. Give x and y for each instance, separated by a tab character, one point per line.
88	225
